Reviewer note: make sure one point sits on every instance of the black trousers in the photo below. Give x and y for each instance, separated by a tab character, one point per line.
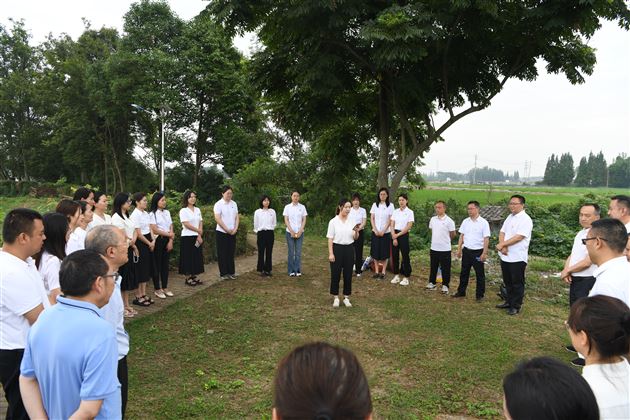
514	279
440	259
344	260
123	374
403	267
9	376
160	263
579	288
264	240
470	259
226	247
358	252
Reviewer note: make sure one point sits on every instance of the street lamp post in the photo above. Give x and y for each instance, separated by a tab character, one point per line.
161	117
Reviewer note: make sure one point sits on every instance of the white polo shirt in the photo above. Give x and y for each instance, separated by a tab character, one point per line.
264	219
358	215
125	224
76	242
21	289
342	233
402	217
382	216
474	231
191	216
162	219
228	211
113	312
49	271
295	213
517	224
142	220
441	227
579	252
613	279
98	220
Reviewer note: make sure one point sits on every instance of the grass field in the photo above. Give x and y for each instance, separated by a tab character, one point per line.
214	355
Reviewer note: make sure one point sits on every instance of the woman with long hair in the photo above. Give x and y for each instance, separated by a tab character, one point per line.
48	260
380	217
341	234
264	225
162	229
191	249
145	243
72	210
100	217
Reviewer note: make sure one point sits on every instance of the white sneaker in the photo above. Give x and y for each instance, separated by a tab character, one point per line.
298	274
396	279
336	302
445	290
358	274
292	275
346	302
430	286
404	282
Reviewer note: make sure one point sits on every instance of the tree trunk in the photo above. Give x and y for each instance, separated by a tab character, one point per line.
384	113
199	144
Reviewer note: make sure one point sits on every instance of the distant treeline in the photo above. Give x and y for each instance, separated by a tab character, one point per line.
482	175
593	171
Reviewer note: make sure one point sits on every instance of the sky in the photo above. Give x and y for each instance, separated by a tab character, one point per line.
524	125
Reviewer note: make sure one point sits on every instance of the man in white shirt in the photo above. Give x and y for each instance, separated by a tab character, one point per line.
606	243
513	245
442	232
472	248
23	298
619	209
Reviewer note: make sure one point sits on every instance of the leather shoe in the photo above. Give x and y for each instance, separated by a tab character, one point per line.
458	295
513	311
503	305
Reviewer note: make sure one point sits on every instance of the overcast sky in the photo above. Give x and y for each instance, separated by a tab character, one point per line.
525	124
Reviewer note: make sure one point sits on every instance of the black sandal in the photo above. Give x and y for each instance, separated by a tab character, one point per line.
191	282
197	281
139	302
148	299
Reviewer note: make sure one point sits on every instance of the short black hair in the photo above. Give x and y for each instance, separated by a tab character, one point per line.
474	203
79	271
613	232
595	206
137	197
225	189
98	195
262	198
82	193
403	195
356	196
520	197
440	202
623	200
544	388
18	221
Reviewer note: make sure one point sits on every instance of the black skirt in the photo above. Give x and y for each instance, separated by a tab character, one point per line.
190	256
127	272
144	266
380	246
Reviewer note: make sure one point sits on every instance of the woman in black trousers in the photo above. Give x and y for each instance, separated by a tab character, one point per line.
264	225
341	235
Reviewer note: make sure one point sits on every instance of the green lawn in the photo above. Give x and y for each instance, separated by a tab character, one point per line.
214	354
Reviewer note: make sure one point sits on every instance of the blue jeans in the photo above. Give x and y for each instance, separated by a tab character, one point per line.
294	246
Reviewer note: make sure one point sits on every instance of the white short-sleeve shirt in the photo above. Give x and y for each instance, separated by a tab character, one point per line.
610	383
98	220
49	271
342	233
382	215
22	289
228	211
162	219
611	279
76	242
125	224
578	253
517	224
441	228
264	219
191	216
474	231
142	220
402	217
295	213
358	215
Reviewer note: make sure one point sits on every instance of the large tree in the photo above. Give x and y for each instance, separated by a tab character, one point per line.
391	66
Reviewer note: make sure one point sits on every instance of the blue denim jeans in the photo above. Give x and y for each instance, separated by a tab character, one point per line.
294	246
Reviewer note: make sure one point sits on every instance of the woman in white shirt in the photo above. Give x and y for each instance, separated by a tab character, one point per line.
227	218
120	219
342	232
294	215
380	216
162	229
264	225
48	260
72	210
359	215
101	201
76	242
145	244
191	243
599	327
402	221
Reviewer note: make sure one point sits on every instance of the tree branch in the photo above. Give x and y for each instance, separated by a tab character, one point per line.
356	55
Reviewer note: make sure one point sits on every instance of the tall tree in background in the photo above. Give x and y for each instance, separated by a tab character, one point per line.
592	172
583	175
551	171
619	172
565	170
408	61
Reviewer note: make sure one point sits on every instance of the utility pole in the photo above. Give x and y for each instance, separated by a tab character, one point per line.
475	172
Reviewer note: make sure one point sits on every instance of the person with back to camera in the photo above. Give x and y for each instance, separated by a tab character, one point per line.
53	251
599	328
545	389
341	234
359	215
381	241
264	225
322	382
401	223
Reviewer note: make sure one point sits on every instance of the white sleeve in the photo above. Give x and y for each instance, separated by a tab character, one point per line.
275	220
486	229
451	226
51	273
461	227
305	212
373	209
411	217
524	228
256	221
184	215
331	229
285	212
198	211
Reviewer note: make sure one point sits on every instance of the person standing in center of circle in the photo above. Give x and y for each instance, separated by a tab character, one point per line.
190	250
402	221
264	225
295	219
342	232
226	215
380	216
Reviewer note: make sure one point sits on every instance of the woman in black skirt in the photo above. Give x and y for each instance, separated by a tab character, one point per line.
145	244
190	251
381	242
120	219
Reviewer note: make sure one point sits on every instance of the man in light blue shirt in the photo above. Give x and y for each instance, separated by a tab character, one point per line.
70	360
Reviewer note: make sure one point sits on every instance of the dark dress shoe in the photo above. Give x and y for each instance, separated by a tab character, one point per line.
513	311
503	305
458	295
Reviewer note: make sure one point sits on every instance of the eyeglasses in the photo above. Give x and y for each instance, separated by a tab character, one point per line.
518	203
114	275
585	240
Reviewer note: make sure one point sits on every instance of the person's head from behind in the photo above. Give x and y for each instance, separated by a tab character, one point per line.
599	327
84	276
605	240
321	381
619	207
72	210
23	232
543	388
109	241
84	194
589	212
